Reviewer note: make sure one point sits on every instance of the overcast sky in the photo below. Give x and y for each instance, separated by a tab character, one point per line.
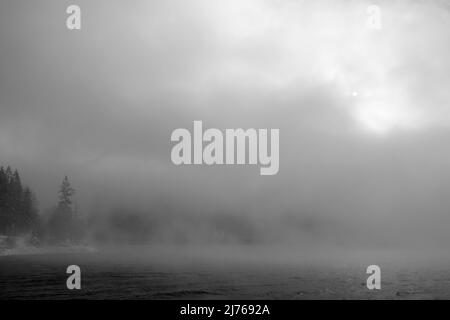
364	114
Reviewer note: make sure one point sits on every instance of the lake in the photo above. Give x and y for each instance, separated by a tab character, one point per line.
224	272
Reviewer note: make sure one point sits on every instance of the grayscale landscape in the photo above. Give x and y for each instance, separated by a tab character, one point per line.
102	164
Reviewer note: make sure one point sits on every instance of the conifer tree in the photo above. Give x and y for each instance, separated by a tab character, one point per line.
65	194
62	222
18	212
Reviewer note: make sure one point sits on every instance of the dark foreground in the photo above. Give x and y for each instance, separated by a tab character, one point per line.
222	273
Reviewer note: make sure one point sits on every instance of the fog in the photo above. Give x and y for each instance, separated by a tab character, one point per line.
364	117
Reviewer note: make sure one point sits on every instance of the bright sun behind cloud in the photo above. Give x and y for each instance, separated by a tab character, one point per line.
383	118
333	46
389	79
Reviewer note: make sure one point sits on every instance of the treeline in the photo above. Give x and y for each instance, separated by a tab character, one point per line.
19	214
18	209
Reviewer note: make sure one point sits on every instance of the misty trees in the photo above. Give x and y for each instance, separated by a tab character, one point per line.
64	225
18	211
19	214
65	194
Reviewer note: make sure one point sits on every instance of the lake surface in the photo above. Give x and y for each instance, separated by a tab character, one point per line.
223	273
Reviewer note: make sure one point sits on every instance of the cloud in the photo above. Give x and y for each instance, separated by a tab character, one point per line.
100	104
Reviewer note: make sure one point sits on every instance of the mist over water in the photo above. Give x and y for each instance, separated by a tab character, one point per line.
363	117
225	272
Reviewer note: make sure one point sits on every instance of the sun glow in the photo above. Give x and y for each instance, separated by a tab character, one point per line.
383	111
267	47
381	107
380	120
